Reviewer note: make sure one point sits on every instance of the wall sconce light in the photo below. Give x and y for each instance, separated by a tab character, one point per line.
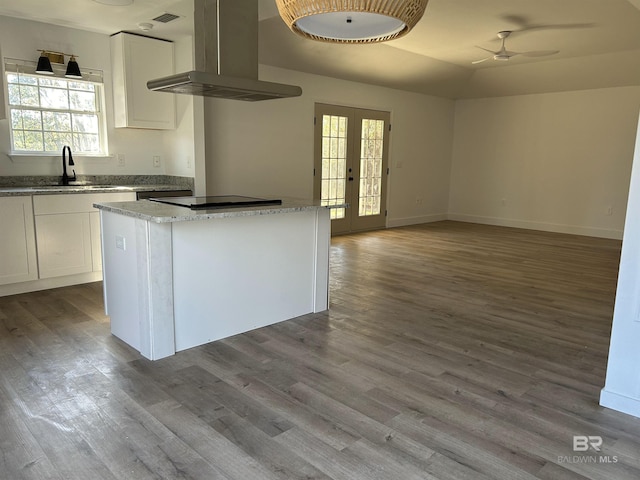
48	57
44	63
73	69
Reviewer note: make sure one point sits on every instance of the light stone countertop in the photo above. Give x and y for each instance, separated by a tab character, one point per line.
55	189
163	213
17	185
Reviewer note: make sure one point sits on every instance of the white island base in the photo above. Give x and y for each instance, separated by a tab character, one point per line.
172	283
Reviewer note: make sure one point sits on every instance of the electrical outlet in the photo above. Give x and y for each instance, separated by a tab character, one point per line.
188	161
419	200
156	160
121	159
121	242
609	210
503	202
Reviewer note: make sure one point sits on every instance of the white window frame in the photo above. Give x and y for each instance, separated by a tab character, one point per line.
94	77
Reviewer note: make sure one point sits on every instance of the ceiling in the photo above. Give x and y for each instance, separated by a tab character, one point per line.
598	43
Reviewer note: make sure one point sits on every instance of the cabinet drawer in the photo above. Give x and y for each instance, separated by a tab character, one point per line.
76	202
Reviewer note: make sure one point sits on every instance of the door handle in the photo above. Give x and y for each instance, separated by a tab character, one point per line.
351	179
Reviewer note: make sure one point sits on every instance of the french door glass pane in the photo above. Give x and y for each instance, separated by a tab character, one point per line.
334	163
371	149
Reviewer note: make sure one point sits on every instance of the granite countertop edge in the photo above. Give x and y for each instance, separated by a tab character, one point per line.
164	213
17	185
54	190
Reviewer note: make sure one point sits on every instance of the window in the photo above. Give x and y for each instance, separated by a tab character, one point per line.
334	159
49	112
371	172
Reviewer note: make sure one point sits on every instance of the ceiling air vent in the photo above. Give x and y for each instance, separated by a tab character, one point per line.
166	18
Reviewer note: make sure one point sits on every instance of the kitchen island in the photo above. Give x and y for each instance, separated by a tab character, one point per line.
175	277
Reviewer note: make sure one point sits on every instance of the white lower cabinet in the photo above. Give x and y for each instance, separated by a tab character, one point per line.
17	240
49	241
68	232
64	244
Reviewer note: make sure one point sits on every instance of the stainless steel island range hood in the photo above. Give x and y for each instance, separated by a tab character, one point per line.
226	56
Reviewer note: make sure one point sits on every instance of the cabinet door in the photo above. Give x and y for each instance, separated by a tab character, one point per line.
71	208
64	244
135	60
17	241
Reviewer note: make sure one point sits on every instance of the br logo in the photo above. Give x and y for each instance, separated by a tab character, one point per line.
582	443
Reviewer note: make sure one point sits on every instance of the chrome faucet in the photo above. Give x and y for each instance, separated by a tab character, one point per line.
66	178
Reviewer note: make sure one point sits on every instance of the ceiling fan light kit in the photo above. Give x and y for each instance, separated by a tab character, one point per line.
351	21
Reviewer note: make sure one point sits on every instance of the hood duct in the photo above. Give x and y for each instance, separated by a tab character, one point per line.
226	56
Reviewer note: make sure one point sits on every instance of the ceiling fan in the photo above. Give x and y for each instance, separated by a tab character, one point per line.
503	54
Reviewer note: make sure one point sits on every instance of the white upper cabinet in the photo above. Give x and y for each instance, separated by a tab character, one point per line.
135	59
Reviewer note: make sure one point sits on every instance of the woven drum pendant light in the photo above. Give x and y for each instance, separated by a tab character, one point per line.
351	21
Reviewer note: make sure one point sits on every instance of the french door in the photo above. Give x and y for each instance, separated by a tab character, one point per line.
350	159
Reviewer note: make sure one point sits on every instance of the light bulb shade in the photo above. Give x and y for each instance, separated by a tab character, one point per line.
44	65
73	69
351	21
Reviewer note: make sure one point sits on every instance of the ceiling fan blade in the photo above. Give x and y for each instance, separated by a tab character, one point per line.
540	53
518	20
487	50
480	61
556	26
524	25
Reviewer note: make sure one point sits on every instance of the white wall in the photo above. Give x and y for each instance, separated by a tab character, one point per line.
21	39
179	143
266	148
553	162
559	161
622	388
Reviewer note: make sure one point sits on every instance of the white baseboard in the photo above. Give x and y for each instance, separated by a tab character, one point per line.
403	222
47	283
546	227
620	403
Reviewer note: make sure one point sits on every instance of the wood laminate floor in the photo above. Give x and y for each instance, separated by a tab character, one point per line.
451	351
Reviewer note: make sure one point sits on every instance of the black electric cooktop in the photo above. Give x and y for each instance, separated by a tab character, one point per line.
220	201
